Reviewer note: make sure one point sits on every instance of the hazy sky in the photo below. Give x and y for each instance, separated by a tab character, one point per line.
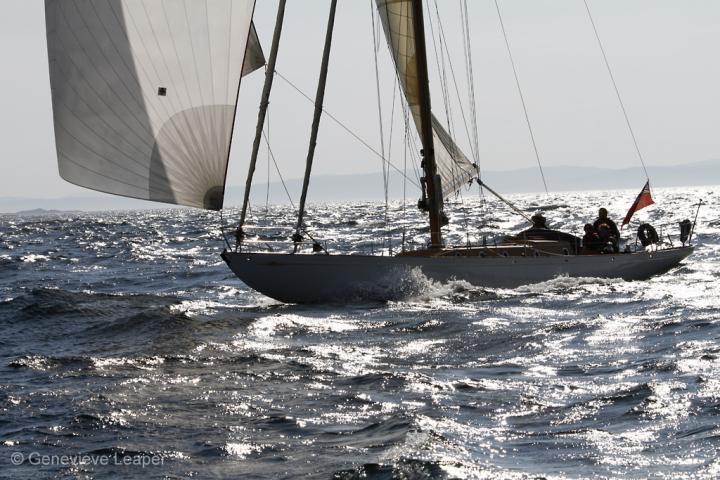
665	55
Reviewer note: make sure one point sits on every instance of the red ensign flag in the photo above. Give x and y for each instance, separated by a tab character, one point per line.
643	200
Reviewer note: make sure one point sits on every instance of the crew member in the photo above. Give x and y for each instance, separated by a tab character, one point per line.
591	241
540	232
608	240
538	223
603	218
614	233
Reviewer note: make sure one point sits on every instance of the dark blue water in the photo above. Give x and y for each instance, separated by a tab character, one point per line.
125	338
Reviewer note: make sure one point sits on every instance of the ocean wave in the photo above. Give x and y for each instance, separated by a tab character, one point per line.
125	334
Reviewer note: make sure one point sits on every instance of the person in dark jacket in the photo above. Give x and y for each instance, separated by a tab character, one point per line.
613	233
591	241
539	225
609	241
603	218
538	221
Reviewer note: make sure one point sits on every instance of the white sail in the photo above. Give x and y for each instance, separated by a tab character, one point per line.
144	93
452	165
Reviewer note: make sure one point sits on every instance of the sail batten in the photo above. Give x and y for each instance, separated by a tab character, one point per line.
454	168
144	93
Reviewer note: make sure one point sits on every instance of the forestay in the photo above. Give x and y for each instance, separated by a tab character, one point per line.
144	93
452	165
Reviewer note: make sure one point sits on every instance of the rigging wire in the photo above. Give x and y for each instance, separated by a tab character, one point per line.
385	172
277	169
522	97
506	201
443	82
467	49
443	43
404	205
443	49
475	155
470	79
472	138
392	125
617	91
443	74
267	189
287	192
465	19
440	60
222	230
390	143
446	51
411	138
344	127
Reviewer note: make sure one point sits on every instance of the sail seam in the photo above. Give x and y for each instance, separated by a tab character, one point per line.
195	143
95	112
112	64
148	77
92	150
199	83
190	140
213	125
84	167
109	85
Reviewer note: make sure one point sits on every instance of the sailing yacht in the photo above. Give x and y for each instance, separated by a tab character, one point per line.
144	100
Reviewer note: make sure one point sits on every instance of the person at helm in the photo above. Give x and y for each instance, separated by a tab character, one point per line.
603	218
539	226
538	223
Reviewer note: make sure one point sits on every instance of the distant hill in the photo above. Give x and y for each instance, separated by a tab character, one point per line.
565	178
586	178
41	212
93	202
368	187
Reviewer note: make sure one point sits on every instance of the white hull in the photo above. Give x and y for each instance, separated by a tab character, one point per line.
301	278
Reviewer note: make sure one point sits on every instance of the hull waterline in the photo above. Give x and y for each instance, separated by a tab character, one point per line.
301	278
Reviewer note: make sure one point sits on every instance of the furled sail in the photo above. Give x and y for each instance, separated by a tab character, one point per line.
144	93
397	19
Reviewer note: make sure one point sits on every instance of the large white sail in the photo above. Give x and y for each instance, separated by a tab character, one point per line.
144	93
397	19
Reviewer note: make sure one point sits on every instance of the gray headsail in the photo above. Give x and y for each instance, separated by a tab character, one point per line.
144	93
254	57
397	19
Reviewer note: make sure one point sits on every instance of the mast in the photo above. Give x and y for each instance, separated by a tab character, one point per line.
264	102
431	182
319	98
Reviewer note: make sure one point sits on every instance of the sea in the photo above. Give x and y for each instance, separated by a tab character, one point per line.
128	350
